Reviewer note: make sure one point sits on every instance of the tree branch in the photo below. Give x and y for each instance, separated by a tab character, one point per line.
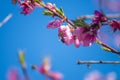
109	16
98	62
107	46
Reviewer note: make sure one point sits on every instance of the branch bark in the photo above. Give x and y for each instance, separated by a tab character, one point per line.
98	62
109	16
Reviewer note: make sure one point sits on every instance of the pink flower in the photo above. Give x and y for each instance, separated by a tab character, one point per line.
89	38
12	75
77	42
45	67
51	6
98	17
54	24
65	35
78	38
55	75
45	70
85	36
115	25
27	6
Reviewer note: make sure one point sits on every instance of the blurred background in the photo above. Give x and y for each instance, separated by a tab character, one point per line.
29	33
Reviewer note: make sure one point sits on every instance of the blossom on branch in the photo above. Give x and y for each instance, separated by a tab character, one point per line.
51	6
85	36
27	6
54	24
65	35
79	36
98	17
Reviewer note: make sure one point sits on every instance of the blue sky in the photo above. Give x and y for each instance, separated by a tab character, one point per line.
30	34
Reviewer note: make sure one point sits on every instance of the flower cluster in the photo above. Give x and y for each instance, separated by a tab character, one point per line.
79	35
82	34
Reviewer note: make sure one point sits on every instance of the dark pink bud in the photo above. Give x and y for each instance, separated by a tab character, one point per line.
54	24
115	25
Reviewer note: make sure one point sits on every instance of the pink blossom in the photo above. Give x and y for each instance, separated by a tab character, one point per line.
12	75
115	25
86	36
28	6
78	38
76	42
47	72
89	38
55	75
45	69
65	35
98	17
54	24
51	6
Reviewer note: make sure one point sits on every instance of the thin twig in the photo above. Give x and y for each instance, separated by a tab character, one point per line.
109	16
107	46
98	62
25	73
62	17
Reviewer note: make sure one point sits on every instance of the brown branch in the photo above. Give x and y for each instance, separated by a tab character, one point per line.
98	62
109	16
108	47
60	16
25	73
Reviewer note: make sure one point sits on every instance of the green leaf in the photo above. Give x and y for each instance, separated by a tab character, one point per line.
40	2
106	49
22	57
60	11
80	23
48	13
